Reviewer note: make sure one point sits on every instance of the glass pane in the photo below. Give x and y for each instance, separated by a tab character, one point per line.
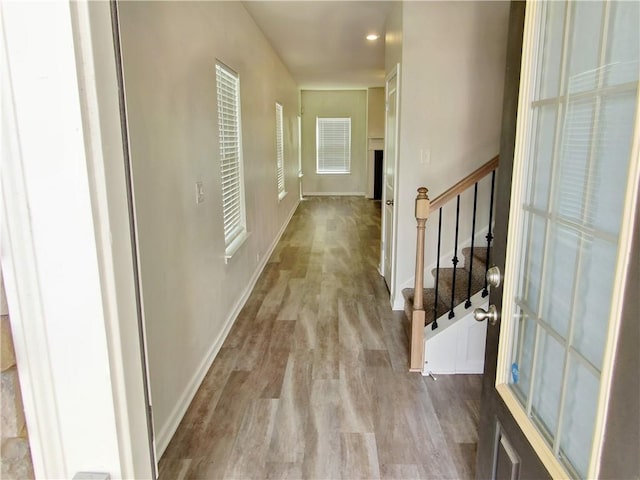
594	291
574	161
578	416
584	47
547	384
552	52
522	361
624	43
612	152
530	279
543	138
559	278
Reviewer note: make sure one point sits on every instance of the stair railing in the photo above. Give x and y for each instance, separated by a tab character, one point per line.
423	207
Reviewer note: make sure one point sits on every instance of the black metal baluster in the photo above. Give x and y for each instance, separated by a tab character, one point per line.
485	292
455	259
434	325
467	304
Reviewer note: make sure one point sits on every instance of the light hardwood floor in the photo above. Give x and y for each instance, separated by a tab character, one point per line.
312	381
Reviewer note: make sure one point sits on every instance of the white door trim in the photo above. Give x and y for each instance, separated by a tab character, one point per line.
66	250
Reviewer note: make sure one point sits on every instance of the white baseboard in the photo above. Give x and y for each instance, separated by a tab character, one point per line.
333	194
398	301
165	433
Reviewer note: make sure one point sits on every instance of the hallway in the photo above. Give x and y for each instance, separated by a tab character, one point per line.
312	380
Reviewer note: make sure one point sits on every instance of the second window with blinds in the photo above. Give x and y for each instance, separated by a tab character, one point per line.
333	145
280	153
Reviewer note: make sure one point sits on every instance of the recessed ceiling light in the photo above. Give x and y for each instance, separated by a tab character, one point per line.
372	37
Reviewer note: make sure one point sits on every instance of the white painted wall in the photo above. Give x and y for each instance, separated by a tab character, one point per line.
453	60
334	103
65	250
191	297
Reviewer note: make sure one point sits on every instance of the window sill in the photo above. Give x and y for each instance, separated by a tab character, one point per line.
234	246
281	196
333	173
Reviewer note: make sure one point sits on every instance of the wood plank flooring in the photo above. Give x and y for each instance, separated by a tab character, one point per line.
312	380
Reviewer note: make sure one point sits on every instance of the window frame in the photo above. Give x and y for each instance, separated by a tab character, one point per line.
324	170
280	177
236	233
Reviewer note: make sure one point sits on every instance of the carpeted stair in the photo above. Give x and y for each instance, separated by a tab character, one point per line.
477	264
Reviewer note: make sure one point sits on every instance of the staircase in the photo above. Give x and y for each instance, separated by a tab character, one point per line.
474	266
448	304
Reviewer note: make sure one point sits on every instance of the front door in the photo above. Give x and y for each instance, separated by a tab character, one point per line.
391	136
563	233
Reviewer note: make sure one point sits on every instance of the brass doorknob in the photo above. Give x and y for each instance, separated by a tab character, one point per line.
490	314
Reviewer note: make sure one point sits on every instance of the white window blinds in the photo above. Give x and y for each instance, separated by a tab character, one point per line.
228	90
333	145
279	152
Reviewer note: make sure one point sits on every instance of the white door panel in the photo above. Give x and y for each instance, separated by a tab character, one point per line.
390	162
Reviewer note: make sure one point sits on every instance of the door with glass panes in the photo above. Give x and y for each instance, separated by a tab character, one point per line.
565	222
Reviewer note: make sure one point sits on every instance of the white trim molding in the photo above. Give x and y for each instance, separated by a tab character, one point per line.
333	194
66	248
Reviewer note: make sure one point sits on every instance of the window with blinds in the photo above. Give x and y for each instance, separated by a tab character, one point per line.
228	91
279	152
333	145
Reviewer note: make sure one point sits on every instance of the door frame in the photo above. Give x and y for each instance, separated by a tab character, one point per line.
133	232
395	71
300	174
96	383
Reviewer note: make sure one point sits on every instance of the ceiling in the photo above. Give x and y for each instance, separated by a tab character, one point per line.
323	43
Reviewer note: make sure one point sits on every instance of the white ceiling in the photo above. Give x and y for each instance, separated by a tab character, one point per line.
323	43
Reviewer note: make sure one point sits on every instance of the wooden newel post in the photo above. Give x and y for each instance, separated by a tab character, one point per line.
418	317
422	213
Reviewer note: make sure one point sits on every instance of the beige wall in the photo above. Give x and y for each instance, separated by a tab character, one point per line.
452	74
334	103
190	295
393	37
375	112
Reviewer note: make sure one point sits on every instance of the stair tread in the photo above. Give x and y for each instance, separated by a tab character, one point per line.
478	260
428	303
476	263
462	284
